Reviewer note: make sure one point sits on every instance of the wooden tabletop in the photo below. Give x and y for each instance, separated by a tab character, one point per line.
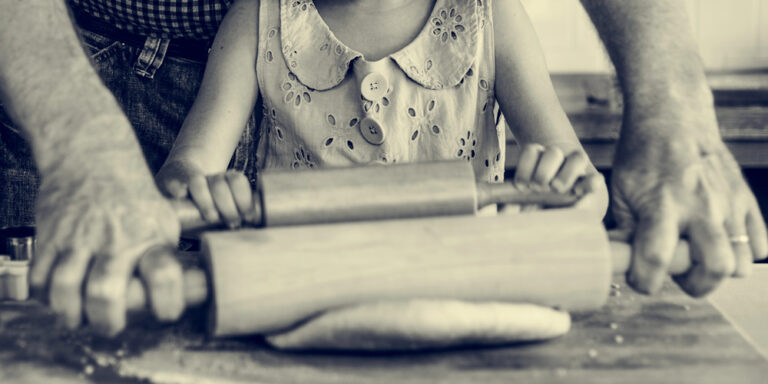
669	338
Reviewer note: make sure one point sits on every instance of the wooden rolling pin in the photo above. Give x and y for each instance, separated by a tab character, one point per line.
264	281
372	193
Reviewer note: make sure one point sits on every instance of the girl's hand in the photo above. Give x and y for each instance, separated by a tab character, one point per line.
220	197
542	168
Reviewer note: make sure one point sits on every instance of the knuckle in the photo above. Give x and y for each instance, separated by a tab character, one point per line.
197	180
164	275
104	291
532	149
160	269
654	261
233	175
577	156
65	279
216	179
554	151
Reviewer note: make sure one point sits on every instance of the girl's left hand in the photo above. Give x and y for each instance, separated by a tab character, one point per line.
543	169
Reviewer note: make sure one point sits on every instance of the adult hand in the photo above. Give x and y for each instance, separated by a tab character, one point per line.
93	227
673	176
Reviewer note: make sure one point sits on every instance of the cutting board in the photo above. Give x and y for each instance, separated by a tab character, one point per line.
668	338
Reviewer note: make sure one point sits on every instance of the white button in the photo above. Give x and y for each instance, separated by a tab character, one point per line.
374	86
372	131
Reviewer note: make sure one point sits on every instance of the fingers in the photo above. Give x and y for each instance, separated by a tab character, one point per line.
758	236
173	177
163	277
594	194
201	195
656	236
711	256
543	167
575	165
45	255
174	188
736	227
242	194
526	164
549	163
224	199
66	288
105	293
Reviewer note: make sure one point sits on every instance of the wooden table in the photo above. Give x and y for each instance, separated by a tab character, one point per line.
670	338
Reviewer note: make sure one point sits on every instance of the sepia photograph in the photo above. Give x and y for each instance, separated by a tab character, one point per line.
383	191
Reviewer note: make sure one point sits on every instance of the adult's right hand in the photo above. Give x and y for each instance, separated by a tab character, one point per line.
98	210
94	225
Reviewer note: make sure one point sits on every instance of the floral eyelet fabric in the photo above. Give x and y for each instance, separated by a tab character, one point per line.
325	105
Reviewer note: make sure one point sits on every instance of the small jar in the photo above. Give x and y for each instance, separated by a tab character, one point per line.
18	242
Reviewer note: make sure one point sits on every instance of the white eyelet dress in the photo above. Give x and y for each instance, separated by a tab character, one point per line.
325	105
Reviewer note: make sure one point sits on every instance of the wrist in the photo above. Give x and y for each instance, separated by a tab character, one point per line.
99	162
679	123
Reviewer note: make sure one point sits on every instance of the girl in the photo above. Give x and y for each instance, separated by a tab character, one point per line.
369	81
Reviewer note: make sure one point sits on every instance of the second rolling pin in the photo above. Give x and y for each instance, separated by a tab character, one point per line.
377	192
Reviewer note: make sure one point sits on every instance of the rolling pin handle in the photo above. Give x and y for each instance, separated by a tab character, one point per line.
621	254
508	193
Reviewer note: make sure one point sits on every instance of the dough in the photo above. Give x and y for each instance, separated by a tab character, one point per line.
424	324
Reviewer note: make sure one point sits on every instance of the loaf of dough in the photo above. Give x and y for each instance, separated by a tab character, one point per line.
424	324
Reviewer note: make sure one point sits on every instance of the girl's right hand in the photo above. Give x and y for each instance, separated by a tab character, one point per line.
543	168
220	197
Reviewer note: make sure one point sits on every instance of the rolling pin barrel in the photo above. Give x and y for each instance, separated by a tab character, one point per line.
266	280
262	281
396	191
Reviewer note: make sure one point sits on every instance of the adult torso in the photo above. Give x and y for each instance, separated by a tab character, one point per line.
191	19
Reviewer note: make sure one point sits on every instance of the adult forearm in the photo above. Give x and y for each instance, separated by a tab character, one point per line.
656	57
53	93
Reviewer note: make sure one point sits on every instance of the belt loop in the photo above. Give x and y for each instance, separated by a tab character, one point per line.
151	56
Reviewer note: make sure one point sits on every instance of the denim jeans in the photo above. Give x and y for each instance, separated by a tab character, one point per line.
155	91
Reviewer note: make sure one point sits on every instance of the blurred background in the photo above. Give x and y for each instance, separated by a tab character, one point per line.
732	34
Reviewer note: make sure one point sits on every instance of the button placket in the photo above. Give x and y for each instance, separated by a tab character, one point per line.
373	87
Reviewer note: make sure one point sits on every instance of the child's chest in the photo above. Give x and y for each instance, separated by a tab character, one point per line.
376	33
325	104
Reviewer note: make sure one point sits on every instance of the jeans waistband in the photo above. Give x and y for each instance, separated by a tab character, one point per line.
190	49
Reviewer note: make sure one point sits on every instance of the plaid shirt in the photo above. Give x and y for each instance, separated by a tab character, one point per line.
191	19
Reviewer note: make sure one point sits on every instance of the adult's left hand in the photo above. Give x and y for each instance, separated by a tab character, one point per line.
674	177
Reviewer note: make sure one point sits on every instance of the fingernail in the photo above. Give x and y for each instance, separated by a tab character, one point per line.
522	187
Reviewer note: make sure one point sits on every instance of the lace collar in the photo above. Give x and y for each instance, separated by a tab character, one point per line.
439	56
